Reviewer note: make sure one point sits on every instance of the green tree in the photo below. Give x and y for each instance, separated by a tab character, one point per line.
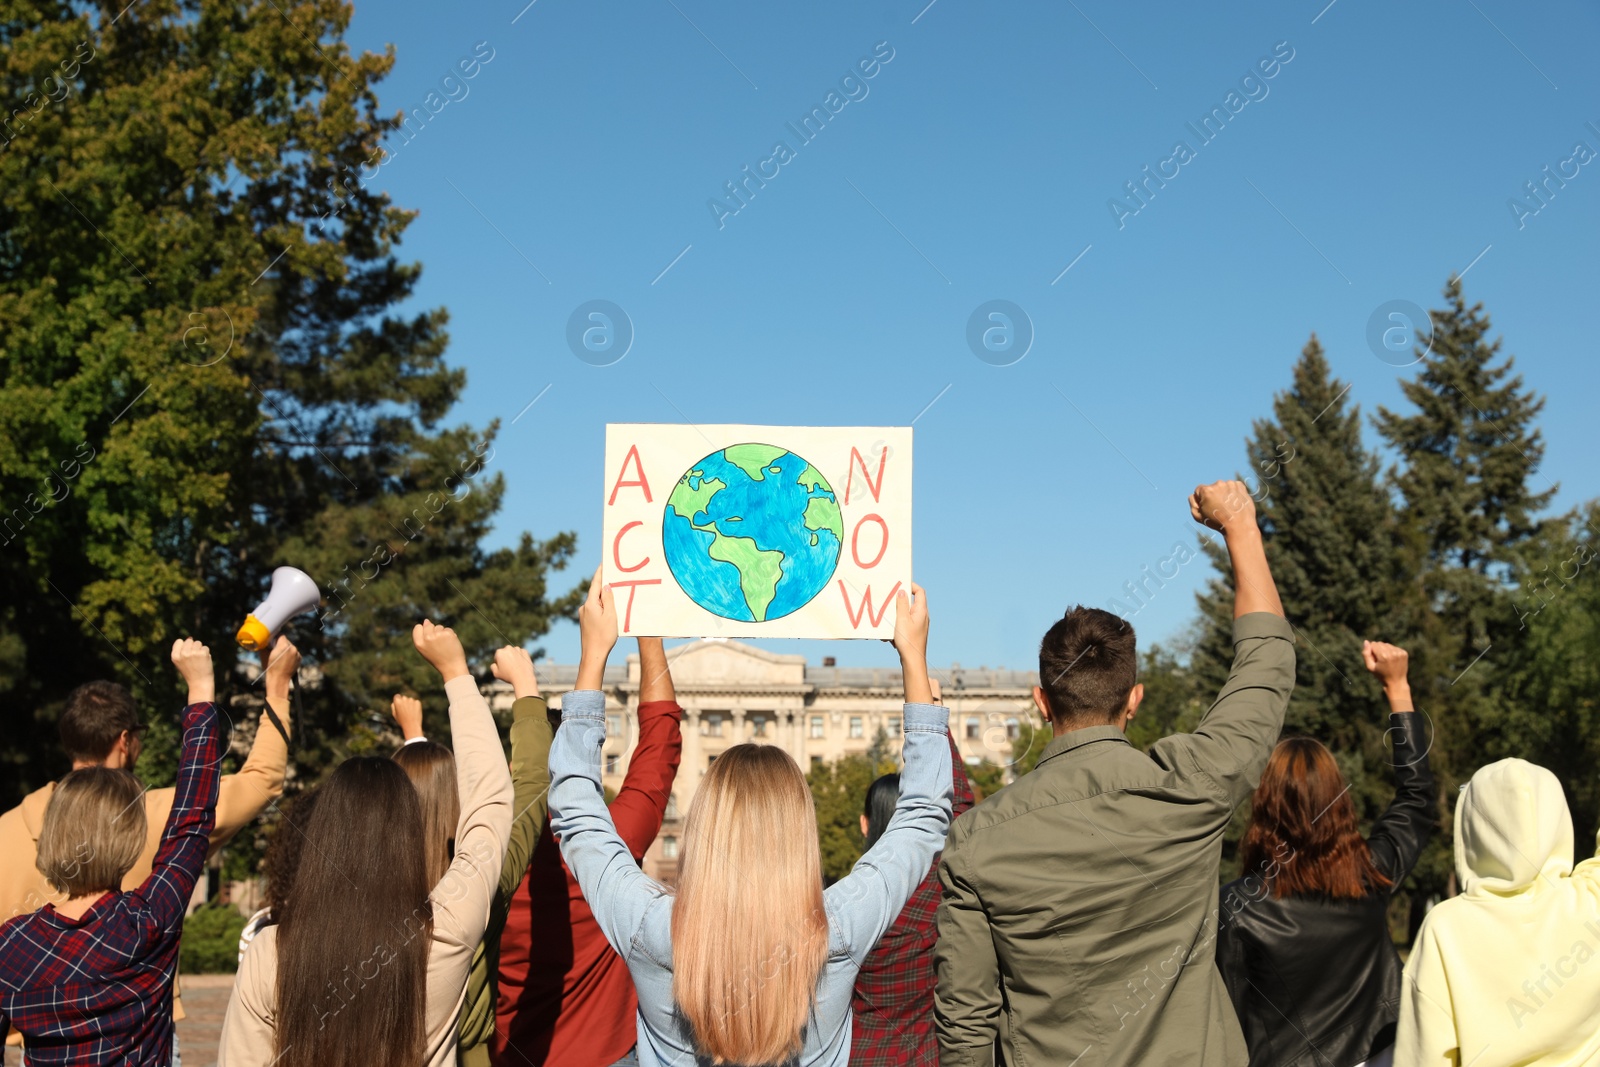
1467	456
839	791
206	375
1552	684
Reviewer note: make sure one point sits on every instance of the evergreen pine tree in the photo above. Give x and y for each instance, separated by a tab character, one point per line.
1467	457
206	375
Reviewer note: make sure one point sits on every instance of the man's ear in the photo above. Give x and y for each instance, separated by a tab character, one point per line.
1042	702
121	754
1135	697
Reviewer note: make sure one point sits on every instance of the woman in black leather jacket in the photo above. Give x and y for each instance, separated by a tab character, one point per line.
1303	939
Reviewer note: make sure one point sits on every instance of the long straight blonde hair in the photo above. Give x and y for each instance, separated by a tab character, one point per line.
749	936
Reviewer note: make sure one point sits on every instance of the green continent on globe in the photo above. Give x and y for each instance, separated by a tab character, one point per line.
811	478
753	458
823	514
759	569
690	502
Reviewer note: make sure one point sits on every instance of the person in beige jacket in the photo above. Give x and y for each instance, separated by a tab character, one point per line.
100	727
374	962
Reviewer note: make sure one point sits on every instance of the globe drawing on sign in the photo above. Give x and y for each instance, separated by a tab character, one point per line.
752	532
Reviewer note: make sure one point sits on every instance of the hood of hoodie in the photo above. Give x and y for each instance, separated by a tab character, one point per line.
32	808
1512	827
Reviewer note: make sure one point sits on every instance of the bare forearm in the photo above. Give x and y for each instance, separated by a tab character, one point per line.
914	669
655	679
1399	696
1254	589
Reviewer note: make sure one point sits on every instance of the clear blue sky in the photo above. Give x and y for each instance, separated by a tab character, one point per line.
978	166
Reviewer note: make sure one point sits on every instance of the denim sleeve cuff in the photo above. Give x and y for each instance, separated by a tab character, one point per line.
584	704
1261	624
926	718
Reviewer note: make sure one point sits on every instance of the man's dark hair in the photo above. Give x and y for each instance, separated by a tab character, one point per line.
882	796
95	716
1087	667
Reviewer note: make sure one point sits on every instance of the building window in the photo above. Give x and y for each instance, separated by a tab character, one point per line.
614	724
855	726
672	806
758	725
712	759
711	724
974	726
893	724
1012	729
669	848
816	726
816	761
611	764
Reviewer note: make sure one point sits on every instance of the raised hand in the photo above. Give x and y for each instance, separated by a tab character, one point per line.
911	641
1389	663
1224	506
514	665
597	632
280	663
193	661
441	647
407	714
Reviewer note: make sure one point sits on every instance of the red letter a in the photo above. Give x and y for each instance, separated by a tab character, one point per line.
633	454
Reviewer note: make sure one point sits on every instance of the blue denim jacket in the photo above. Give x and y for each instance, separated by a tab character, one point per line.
635	911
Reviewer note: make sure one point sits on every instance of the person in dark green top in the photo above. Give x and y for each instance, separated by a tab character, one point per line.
1078	919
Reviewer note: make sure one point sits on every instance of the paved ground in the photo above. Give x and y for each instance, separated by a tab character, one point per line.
205	998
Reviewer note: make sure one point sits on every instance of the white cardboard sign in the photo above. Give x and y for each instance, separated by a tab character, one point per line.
757	531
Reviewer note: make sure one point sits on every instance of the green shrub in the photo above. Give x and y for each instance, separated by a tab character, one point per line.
211	940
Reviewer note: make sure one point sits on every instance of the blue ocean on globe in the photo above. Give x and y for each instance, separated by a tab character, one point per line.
752	532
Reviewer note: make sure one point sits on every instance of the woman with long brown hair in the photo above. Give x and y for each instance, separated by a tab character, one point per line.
1303	941
750	961
368	963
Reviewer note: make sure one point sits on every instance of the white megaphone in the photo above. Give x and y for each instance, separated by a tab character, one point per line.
293	593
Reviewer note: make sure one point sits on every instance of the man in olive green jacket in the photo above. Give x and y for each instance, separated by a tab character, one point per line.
1079	911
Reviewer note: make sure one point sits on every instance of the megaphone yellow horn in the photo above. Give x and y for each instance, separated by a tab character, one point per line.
293	592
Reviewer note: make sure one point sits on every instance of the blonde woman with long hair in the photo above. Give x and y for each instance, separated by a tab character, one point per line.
750	961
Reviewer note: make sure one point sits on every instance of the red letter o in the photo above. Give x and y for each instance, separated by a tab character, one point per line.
883	546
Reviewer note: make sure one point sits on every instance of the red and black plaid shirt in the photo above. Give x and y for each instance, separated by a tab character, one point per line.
98	989
893	999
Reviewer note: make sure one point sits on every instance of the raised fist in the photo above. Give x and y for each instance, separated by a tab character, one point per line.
513	664
441	647
407	713
1223	506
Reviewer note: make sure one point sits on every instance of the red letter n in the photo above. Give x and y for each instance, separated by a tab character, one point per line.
855	461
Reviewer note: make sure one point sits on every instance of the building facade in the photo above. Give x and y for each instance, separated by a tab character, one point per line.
733	692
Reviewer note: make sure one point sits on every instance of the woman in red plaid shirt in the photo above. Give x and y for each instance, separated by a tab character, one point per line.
89	981
893	1000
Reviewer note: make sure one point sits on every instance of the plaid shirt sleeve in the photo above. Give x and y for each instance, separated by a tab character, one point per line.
182	855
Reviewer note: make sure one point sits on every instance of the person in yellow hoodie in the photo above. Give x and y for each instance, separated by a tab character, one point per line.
100	727
1509	971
